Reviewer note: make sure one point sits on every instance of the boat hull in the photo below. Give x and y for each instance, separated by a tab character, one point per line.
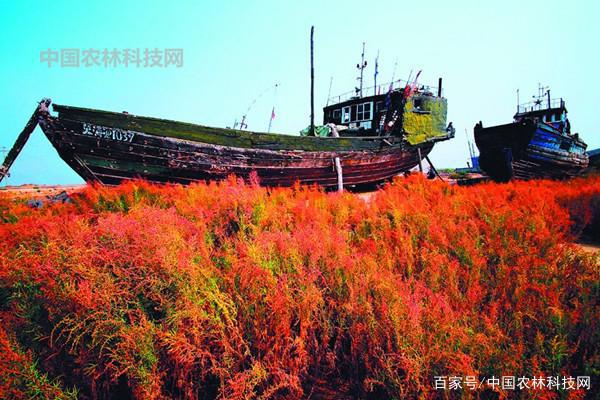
527	150
124	147
594	160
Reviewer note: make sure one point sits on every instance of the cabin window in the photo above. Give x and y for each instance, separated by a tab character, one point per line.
337	114
353	113
363	112
360	112
418	103
544	118
346	114
378	106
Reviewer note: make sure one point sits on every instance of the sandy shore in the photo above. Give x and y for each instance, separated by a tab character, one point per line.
37	191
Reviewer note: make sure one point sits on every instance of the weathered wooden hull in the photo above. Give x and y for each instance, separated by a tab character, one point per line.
527	150
111	147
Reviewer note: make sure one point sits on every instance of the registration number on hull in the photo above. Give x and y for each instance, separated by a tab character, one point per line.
105	132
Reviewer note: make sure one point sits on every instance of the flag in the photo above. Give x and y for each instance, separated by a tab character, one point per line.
410	88
271	120
414	84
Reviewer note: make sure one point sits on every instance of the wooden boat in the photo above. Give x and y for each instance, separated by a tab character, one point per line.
594	165
111	147
537	144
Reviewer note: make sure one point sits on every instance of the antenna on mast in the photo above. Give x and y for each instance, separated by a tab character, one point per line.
329	93
394	70
361	67
538	101
469	143
243	124
375	74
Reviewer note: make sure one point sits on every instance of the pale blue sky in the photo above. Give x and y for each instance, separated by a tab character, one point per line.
234	50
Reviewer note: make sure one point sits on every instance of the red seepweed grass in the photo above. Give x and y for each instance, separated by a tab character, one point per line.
230	290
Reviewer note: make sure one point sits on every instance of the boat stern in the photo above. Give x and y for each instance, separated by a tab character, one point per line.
424	120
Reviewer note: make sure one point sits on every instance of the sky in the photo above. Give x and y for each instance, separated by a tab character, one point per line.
234	52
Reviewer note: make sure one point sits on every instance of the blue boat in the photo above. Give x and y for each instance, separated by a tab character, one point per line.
537	144
594	160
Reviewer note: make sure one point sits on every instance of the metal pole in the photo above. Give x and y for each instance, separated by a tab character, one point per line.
337	162
420	158
440	87
312	83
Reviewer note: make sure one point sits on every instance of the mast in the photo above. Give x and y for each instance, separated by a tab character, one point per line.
361	67
312	83
375	74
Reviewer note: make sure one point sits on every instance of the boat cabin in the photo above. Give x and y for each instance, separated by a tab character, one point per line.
367	115
552	112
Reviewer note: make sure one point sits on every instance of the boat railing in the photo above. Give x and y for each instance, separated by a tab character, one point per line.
538	105
382	88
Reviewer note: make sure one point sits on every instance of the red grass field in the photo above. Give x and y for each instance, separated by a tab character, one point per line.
235	291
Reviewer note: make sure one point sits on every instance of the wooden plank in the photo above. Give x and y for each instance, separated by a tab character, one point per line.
19	144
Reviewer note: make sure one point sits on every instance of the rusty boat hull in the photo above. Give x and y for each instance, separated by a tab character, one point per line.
111	147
